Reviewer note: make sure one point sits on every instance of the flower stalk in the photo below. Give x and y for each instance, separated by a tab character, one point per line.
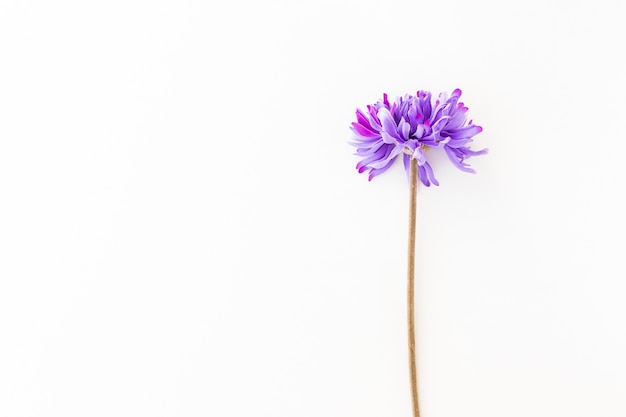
411	284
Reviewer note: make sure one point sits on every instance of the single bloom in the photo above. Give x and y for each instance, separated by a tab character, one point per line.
410	126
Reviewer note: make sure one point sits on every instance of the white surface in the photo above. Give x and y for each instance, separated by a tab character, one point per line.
183	233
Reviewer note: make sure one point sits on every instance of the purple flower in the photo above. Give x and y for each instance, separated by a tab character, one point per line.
410	126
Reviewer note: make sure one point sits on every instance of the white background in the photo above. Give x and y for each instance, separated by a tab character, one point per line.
183	232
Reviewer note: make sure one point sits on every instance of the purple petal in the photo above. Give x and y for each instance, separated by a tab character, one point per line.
376	172
395	151
362	142
363	131
465	132
418	154
431	174
387	138
441	122
380	153
419	132
360	116
468	152
404	128
411	144
458	119
406	160
458	143
368	150
372	111
456	161
412	118
421	172
388	124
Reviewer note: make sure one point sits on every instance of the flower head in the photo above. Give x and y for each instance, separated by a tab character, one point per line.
410	125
